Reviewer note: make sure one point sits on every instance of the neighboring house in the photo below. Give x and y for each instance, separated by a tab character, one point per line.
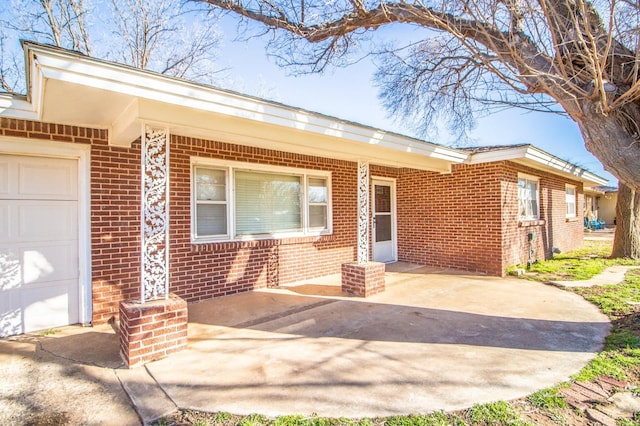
260	194
600	204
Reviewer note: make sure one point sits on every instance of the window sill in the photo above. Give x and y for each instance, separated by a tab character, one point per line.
201	246
523	223
571	219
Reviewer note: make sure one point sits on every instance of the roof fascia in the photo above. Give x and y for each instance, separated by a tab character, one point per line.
51	63
539	159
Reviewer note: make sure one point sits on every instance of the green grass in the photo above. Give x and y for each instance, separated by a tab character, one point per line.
439	418
615	300
582	264
548	399
495	413
254	420
318	421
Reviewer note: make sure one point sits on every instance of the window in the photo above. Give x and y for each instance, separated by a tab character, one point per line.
246	201
211	201
528	198
318	199
570	196
267	203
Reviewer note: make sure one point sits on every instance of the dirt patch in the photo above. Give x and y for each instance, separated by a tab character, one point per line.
38	388
49	419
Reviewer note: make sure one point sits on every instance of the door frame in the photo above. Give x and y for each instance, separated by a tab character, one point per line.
394	216
82	153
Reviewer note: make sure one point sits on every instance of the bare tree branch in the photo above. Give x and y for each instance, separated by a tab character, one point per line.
581	55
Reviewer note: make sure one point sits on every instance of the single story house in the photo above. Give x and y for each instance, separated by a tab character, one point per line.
123	184
600	204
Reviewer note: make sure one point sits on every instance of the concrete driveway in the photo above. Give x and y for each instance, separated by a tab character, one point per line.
435	340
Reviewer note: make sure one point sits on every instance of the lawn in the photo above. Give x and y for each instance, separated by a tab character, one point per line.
581	264
620	359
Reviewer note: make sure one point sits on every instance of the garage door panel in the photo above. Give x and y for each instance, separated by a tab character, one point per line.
47	306
26	264
38	178
4	176
4	221
46	220
10	315
42	179
28	220
50	262
10	265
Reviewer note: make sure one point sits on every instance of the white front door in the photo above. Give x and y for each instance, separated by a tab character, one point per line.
39	262
384	221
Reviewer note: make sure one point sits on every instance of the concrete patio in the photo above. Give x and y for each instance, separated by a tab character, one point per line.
435	340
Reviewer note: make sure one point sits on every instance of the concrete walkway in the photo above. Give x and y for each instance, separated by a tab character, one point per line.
435	340
611	275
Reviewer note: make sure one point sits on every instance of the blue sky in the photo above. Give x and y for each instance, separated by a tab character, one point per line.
348	93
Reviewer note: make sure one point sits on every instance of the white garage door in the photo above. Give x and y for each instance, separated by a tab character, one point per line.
39	274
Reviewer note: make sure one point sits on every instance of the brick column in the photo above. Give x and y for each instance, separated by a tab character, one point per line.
362	279
152	330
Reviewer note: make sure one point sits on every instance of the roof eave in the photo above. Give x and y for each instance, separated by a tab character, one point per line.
52	64
538	159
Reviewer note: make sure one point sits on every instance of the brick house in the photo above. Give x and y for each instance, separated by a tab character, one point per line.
238	194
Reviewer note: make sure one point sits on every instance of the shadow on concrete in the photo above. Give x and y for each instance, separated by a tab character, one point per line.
99	348
366	320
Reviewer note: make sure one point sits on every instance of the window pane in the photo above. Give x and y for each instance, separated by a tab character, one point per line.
527	198
211	219
570	196
267	203
382	199
533	188
383	228
318	216
317	190
210	185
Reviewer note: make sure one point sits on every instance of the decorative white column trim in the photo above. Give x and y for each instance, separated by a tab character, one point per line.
363	211
155	214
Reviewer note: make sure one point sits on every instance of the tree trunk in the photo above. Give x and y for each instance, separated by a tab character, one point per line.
626	242
612	142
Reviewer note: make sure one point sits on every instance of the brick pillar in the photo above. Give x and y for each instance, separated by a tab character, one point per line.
362	279
152	330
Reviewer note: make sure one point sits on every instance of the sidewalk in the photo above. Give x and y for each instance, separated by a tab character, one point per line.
611	275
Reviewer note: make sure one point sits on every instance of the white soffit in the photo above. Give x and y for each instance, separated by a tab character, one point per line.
69	88
531	156
17	107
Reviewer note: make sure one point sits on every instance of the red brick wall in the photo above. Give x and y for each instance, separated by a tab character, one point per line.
363	279
468	219
115	227
152	331
451	220
203	271
553	230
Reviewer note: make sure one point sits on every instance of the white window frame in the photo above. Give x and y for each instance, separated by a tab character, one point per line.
529	178
230	167
571	200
